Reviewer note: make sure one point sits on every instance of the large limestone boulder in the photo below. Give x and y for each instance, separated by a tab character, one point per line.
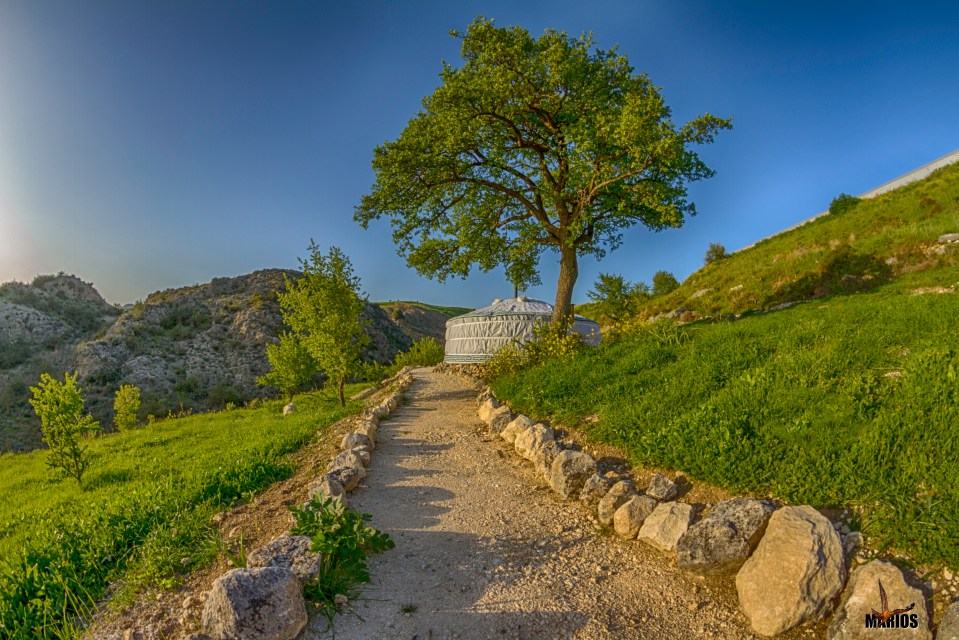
487	406
348	477
519	424
569	472
720	543
290	552
949	625
542	458
616	497
499	418
862	597
368	428
345	459
629	518
532	439
263	603
795	573
664	527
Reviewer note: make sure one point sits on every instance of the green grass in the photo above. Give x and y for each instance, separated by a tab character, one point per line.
449	312
794	403
143	517
902	225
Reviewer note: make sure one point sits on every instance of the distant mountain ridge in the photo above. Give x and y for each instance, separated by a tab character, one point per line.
198	347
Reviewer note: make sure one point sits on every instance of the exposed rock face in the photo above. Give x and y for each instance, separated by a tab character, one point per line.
629	518
616	497
569	472
264	603
665	526
290	552
795	573
721	542
862	597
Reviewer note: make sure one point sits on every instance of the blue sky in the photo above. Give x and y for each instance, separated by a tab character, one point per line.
147	145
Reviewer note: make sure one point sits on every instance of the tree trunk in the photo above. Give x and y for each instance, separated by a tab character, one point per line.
568	272
339	390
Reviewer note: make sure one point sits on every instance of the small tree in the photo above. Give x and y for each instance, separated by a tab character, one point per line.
60	409
126	403
616	297
715	252
843	203
664	282
324	309
292	366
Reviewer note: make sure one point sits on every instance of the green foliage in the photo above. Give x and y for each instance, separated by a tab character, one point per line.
126	403
14	353
425	352
843	203
533	144
343	540
60	409
615	297
795	404
548	342
291	366
843	271
664	282
147	504
715	252
323	310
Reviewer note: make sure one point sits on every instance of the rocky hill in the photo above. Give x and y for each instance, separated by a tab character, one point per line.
190	349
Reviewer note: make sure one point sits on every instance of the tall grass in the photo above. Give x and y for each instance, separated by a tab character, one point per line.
145	516
847	401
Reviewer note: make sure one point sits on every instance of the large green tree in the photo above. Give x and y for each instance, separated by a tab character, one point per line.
533	144
324	311
291	365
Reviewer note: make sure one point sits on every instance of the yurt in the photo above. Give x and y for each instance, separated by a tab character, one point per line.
476	336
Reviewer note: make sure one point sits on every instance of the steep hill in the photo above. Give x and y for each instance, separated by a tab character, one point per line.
194	348
418	320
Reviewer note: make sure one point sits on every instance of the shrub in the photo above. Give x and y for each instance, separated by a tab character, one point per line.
60	409
843	203
423	353
715	252
126	403
548	342
343	541
616	297
664	282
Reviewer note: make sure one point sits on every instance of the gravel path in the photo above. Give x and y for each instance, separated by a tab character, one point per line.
485	550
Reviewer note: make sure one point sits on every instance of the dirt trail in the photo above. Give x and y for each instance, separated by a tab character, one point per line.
485	550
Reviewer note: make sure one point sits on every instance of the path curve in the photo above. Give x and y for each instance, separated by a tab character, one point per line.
485	550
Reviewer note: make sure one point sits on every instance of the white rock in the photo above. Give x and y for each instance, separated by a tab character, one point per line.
862	597
519	424
664	527
629	518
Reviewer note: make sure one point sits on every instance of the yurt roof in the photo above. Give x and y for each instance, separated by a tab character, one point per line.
521	306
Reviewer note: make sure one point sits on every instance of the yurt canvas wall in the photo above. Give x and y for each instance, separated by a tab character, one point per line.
475	336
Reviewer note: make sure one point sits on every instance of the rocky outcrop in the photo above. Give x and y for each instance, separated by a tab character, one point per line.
795	573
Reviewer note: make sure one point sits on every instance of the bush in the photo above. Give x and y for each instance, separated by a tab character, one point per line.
715	252
843	203
616	297
60	408
423	353
126	403
549	342
664	282
343	541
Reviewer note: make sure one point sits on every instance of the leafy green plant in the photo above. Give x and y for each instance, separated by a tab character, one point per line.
548	342
343	540
664	282
60	409
291	365
715	252
615	297
126	403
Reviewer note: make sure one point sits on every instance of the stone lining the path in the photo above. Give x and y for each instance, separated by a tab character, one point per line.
265	599
790	562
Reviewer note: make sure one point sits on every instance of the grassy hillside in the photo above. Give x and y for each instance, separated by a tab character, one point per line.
848	399
146	504
876	241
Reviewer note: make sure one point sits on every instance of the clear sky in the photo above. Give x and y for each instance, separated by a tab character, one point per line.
147	145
